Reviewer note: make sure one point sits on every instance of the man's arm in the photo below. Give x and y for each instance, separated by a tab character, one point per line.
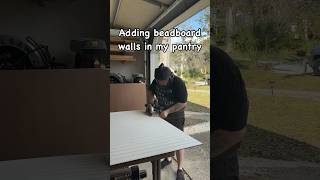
177	107
172	109
150	97
150	93
223	140
229	103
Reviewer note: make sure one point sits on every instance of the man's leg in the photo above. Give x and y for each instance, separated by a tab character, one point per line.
180	153
178	123
180	156
226	167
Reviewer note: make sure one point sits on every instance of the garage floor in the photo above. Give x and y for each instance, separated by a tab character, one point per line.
197	164
197	161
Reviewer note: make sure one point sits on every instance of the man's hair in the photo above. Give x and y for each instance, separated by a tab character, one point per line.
162	72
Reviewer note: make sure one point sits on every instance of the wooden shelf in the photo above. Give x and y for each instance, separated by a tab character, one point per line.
122	40
122	58
119	55
115	48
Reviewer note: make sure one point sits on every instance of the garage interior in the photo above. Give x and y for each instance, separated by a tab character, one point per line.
124	67
129	94
56	95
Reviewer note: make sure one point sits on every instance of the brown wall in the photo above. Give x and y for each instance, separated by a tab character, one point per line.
127	97
53	112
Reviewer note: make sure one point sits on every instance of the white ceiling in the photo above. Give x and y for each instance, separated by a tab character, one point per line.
136	13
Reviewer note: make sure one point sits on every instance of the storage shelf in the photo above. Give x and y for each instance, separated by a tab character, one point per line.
122	58
115	48
123	40
119	55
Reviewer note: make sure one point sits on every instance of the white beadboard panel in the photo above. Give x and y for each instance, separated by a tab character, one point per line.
135	135
74	167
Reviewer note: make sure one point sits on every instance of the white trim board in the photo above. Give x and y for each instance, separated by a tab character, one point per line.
135	135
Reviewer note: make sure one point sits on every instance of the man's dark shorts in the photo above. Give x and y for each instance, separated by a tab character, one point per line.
176	120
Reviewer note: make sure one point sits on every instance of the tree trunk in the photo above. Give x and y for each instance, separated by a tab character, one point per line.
306	29
181	68
229	28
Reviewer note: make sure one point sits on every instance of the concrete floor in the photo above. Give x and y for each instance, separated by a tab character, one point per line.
266	169
197	159
196	163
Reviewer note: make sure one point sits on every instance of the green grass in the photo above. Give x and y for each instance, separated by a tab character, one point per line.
280	127
260	79
198	101
291	117
196	87
200	98
256	78
265	144
284	55
197	107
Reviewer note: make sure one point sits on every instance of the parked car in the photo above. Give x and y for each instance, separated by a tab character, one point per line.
314	60
207	80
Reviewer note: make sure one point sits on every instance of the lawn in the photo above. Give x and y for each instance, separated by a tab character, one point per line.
256	78
191	86
283	128
261	79
279	127
292	117
198	101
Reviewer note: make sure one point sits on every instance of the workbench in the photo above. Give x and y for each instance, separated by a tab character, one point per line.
73	167
138	138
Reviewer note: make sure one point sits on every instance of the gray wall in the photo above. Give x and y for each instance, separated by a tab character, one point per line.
55	24
128	68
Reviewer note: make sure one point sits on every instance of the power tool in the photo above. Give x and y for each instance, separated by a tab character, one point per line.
153	109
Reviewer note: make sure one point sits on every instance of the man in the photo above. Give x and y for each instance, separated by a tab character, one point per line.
171	94
230	111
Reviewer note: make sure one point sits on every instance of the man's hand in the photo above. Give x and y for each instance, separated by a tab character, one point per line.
149	109
164	114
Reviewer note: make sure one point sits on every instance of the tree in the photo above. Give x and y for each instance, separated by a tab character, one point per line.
192	62
270	22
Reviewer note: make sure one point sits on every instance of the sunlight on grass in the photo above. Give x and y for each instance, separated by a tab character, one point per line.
191	86
260	79
202	97
291	117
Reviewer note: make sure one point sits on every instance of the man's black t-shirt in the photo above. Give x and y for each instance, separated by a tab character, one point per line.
174	92
229	100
